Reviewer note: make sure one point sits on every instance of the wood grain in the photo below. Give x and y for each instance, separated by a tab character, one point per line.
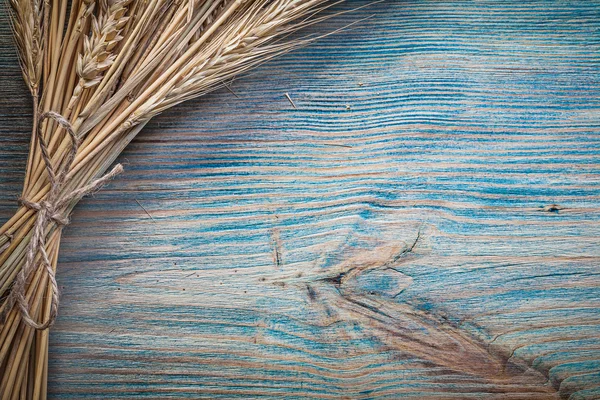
425	224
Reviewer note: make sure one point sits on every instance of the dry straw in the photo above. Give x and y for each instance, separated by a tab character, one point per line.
97	73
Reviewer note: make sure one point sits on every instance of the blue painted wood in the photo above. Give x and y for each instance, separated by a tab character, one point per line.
282	259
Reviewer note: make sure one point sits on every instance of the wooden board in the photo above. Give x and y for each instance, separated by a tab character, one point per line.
425	224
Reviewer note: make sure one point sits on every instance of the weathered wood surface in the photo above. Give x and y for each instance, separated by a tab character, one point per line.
424	225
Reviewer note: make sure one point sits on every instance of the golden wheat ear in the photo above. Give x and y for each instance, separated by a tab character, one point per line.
26	21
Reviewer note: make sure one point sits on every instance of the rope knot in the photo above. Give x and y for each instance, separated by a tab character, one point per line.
54	215
53	209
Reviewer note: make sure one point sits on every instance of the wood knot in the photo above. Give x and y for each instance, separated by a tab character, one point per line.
385	283
553	208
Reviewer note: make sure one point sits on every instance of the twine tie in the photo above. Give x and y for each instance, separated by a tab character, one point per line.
52	210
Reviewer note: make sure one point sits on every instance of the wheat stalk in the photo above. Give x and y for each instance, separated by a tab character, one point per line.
102	71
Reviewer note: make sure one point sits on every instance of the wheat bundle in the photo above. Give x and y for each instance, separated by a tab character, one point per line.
97	74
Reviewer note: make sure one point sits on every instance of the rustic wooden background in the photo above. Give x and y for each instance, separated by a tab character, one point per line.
424	225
